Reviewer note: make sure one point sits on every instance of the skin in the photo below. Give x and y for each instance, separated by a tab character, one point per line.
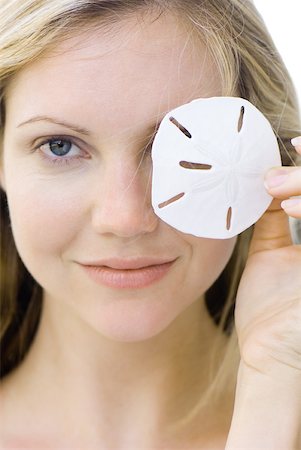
62	214
90	333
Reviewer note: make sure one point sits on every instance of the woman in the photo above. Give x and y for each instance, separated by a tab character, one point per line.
117	329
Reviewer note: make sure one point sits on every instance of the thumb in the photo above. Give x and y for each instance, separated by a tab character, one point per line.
272	230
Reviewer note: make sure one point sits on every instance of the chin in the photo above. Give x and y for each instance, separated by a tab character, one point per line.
130	321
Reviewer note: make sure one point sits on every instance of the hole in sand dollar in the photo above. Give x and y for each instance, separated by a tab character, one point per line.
171	200
181	128
229	218
241	118
194	166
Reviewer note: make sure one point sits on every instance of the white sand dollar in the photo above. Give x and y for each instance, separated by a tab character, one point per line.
209	160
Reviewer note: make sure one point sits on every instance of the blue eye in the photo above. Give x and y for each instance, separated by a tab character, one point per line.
61	150
59	147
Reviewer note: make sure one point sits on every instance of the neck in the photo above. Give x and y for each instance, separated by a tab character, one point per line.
109	384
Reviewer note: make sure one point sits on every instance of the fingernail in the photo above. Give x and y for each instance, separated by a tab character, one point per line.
275	181
296	141
291	203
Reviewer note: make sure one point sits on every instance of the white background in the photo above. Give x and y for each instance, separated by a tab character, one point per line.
283	19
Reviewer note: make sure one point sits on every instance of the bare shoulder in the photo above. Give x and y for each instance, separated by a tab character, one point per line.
8	421
24	443
5	425
16	425
4	402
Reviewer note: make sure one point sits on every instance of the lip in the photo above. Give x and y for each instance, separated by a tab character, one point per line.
134	273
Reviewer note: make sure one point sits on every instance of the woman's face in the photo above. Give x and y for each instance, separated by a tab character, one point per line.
78	177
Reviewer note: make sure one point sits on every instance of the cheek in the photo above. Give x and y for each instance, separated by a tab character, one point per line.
210	257
45	219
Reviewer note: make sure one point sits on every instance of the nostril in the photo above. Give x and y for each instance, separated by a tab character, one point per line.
124	214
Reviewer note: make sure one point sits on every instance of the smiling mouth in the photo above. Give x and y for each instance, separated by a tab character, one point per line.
127	274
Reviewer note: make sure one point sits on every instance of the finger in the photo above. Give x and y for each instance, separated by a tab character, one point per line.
296	142
272	230
292	207
283	182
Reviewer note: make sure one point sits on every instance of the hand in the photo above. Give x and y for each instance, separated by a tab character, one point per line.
267	408
268	309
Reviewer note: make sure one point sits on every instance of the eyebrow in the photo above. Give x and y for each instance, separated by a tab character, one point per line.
71	126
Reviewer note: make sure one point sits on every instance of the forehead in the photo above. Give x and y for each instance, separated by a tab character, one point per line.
136	71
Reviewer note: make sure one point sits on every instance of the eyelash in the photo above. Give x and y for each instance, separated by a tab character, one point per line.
64	161
61	160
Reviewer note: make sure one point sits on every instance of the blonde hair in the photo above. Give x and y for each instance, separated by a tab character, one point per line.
248	64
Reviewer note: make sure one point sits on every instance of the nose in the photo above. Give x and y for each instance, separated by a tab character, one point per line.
123	204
